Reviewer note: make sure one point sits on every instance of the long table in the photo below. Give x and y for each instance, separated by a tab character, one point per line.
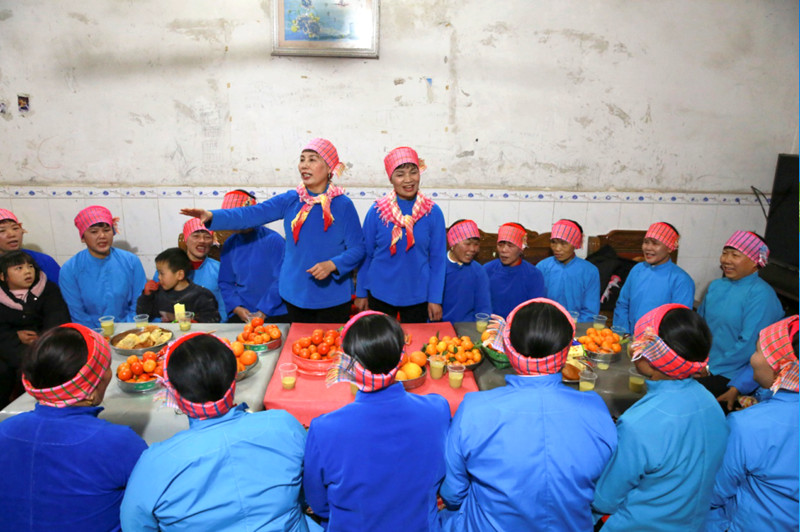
311	397
611	384
146	413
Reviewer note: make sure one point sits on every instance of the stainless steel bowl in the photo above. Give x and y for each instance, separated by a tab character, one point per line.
249	370
138	387
410	384
138	352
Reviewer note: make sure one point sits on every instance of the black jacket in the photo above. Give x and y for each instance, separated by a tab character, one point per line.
194	297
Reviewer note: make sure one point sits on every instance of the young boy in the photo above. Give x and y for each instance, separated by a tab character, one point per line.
101	280
174	269
466	285
757	486
250	266
29	304
671	442
656	281
512	279
570	280
11	232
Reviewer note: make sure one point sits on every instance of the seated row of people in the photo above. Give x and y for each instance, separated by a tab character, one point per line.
533	455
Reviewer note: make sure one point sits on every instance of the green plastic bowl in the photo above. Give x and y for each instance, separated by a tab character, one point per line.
498	360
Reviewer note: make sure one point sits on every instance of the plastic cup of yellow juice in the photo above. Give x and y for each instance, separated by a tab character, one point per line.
288	375
107	324
437	366
636	382
185	321
455	373
481	321
587	380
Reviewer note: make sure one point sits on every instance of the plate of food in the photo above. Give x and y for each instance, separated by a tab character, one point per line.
139	374
574	365
140	340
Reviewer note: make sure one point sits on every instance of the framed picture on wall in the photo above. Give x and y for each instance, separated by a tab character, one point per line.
328	28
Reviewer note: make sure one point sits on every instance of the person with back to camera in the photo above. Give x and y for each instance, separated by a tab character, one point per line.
324	242
231	469
100	280
736	308
377	463
11	233
512	279
29	305
672	440
63	468
571	280
757	486
466	285
175	286
654	282
404	235
526	456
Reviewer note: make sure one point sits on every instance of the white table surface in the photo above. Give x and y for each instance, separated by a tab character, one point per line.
148	417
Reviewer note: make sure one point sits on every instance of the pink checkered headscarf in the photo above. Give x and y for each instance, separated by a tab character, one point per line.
461	231
96	214
522	364
775	342
81	386
513	233
348	369
237	198
5	214
753	247
328	152
210	409
193	225
647	344
664	234
567	231
402	155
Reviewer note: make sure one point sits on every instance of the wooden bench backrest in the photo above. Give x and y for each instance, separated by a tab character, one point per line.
626	242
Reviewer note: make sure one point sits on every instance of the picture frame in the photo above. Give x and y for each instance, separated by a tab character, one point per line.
326	28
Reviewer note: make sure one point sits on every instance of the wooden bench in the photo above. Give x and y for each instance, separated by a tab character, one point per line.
627	243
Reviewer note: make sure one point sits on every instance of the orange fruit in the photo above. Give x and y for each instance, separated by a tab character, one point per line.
132	359
239	366
400	376
461	357
149	355
591	332
467	344
124	373
441	347
418	358
136	368
248	357
431	349
487	334
149	366
412	370
433	340
616	347
476	355
257	322
237	348
275	333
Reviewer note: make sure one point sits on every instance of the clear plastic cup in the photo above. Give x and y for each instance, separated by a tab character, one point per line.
288	375
588	379
141	320
455	374
599	321
636	382
185	321
107	324
575	315
436	363
481	321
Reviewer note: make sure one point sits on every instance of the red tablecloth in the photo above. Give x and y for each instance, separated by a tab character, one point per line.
311	398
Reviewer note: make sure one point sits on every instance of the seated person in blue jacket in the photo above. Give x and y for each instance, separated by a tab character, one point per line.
231	469
526	456
63	467
672	440
757	486
736	308
654	282
29	305
512	279
570	280
11	232
466	285
205	270
101	280
175	286
351	476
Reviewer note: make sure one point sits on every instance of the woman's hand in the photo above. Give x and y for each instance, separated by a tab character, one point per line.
434	312
204	215
322	270
361	303
27	337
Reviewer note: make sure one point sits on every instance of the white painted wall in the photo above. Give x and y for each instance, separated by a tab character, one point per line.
675	95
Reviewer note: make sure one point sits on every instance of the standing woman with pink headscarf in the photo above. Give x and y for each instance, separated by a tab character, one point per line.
324	242
62	467
404	233
101	280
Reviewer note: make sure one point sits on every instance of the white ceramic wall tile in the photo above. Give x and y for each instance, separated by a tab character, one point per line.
32	214
636	216
142	226
702	270
496	213
571	210
362	205
601	217
149	265
171	219
696	230
65	235
536	216
466	210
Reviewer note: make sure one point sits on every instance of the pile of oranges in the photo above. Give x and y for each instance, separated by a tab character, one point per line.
244	357
256	333
136	369
321	345
601	341
455	350
411	366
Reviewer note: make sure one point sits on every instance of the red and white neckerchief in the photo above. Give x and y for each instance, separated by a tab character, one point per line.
647	344
775	342
389	212
324	200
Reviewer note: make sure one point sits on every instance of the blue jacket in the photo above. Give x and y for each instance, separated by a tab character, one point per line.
575	285
466	291
511	285
46	263
526	456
